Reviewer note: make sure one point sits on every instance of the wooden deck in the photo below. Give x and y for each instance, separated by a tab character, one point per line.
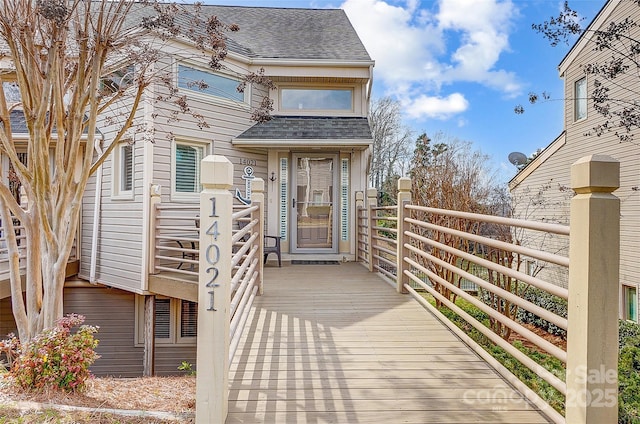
336	344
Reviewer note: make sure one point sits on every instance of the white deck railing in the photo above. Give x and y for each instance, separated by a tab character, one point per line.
22	249
4	251
175	230
234	243
423	250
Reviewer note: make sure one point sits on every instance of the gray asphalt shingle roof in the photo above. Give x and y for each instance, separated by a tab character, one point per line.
309	128
19	123
289	33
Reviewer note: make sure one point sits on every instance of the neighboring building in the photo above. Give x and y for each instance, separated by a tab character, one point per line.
313	154
542	189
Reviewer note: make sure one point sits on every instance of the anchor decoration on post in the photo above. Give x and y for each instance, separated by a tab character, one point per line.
247	177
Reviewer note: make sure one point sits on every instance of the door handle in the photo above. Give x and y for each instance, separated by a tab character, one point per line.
293	201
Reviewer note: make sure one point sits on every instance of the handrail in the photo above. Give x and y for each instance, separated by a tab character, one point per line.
537	254
522	223
176	251
536	282
381	234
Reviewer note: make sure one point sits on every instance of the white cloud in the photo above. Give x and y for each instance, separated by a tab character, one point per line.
436	107
403	50
418	51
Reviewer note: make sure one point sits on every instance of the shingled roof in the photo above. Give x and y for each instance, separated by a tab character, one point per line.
309	128
19	123
289	33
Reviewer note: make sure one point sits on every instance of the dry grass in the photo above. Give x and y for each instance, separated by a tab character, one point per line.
169	394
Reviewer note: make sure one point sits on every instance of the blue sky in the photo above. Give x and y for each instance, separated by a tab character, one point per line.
460	66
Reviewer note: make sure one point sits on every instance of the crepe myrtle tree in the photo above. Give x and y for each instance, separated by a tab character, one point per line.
613	96
54	55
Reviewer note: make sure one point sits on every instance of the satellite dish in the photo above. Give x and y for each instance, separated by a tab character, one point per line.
518	159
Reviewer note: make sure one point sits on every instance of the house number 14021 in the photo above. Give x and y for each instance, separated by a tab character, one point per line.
212	255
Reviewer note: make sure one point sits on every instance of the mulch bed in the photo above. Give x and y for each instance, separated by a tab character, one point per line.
170	394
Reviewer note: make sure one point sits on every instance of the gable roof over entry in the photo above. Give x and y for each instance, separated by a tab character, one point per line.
308	131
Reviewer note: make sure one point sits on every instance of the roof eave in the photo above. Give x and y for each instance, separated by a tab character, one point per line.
548	151
579	45
338	63
357	143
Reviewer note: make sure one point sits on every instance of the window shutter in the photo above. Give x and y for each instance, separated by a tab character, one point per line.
187	168
127	168
163	318
188	319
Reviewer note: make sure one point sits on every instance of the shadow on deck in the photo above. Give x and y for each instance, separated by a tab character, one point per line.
336	344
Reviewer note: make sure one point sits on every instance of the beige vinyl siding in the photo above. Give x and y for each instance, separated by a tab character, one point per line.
120	232
113	311
628	153
7	324
582	141
225	122
543	196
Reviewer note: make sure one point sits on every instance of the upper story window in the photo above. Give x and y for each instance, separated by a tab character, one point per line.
123	171
186	169
580	95
11	92
316	99
208	83
118	80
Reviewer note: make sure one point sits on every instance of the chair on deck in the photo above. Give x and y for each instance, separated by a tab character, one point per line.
275	248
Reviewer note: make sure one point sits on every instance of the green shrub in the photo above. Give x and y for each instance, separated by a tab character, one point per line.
628	333
547	301
629	373
56	358
187	367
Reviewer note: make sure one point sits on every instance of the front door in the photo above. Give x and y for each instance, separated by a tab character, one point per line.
313	203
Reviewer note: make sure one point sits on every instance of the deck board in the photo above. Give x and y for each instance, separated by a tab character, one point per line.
336	344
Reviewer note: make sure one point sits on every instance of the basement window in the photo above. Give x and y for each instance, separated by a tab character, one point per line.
176	321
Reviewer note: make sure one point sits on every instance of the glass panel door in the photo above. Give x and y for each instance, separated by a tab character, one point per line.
313	195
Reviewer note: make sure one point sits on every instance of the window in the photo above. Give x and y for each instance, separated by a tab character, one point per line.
316	99
176	321
118	80
580	93
188	319
208	83
123	171
630	295
11	92
186	170
163	319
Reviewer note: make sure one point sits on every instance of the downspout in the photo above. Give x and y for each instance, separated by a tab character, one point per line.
96	217
370	87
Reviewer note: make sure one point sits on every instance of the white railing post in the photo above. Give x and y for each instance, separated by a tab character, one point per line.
359	205
404	197
257	197
153	222
214	291
372	201
594	253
